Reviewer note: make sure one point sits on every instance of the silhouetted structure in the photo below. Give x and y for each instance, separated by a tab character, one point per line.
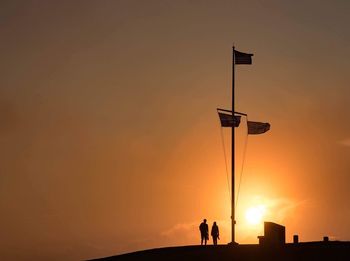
204	229
232	119
274	235
215	233
295	239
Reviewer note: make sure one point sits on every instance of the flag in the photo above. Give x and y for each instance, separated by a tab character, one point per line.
243	58
228	120
257	127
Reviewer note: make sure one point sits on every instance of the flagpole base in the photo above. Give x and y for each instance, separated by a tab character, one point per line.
233	244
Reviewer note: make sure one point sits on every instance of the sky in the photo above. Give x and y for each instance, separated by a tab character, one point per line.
110	141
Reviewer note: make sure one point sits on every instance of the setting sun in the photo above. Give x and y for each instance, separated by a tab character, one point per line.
255	214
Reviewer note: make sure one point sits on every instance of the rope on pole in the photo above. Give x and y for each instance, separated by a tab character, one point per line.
242	166
225	157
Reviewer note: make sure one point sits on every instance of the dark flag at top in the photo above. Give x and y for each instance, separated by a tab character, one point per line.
228	120
243	58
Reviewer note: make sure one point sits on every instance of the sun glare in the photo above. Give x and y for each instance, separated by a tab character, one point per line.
254	215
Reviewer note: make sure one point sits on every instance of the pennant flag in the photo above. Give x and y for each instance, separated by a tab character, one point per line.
228	120
243	58
257	127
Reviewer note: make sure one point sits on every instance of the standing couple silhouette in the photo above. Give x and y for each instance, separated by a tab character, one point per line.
204	229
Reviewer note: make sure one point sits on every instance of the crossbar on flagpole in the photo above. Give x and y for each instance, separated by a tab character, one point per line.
236	112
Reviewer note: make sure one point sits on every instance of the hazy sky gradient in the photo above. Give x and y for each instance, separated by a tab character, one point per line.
110	140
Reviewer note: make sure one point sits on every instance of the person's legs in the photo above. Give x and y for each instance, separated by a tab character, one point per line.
215	240
202	238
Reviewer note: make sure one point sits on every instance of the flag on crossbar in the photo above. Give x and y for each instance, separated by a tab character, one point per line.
257	127
228	120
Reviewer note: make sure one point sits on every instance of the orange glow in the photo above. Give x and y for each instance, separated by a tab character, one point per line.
254	215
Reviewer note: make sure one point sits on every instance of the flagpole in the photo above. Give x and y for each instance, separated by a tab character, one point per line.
233	221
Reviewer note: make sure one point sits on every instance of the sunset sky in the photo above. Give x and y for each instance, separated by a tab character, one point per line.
109	137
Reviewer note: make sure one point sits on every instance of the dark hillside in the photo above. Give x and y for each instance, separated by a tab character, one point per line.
301	251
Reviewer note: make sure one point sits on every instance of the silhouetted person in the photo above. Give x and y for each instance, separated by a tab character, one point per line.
215	233
204	229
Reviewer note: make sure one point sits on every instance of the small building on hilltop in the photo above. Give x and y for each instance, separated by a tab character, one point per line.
274	235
